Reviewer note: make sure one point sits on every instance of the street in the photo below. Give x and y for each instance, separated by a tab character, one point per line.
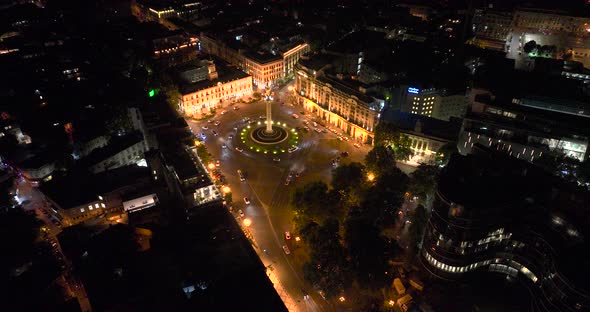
269	196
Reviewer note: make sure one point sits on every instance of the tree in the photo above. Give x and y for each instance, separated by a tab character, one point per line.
423	181
383	199
386	133
314	201
530	47
380	159
368	250
348	177
402	148
419	218
444	153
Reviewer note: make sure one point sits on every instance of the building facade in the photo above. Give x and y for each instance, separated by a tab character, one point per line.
492	214
340	106
266	69
204	101
491	28
435	103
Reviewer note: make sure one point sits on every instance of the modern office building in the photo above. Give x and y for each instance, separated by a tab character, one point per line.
433	102
493	213
334	101
522	131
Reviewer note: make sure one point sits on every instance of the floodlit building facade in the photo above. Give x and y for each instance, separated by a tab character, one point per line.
337	104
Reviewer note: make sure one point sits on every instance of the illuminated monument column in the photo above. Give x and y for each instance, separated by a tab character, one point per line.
268	118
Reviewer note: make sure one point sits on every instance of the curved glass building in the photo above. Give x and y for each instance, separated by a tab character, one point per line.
501	215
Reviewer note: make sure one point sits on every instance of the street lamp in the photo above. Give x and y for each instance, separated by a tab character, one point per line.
391	303
297	238
226	189
370	177
247	222
342	299
211	166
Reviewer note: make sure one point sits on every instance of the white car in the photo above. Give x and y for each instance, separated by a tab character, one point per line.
276	159
241	213
287	235
217	163
287	182
236	107
223	112
292	149
217	123
205	128
286	249
223	146
246	200
239	149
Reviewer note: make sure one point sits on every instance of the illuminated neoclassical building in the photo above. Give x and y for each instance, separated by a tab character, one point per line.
204	88
339	105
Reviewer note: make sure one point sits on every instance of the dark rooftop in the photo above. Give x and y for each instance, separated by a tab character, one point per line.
115	146
262	57
79	188
342	86
446	130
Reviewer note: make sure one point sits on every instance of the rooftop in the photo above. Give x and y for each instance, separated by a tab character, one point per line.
262	57
446	130
80	188
115	146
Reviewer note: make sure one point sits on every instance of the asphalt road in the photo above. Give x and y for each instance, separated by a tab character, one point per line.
269	196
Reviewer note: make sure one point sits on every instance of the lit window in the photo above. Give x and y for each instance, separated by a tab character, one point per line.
81	209
95	205
102	205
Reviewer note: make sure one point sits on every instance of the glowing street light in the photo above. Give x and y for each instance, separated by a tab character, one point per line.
247	222
226	189
297	238
342	299
370	177
290	88
211	166
391	303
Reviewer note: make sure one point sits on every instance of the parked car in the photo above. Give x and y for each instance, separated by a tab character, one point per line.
292	149
241	213
217	123
239	149
356	145
246	200
236	107
214	132
287	235
286	249
276	159
205	128
223	112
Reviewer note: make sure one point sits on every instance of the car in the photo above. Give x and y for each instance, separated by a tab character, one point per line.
223	112
246	200
315	124
344	154
346	138
217	163
261	117
295	116
290	174
305	122
236	107
318	130
286	250
223	146
287	182
217	123
276	159
205	128
287	235
297	174
302	112
239	149
293	149
246	119
306	129
241	175
214	132
241	213
305	294
340	138
210	121
356	145
230	137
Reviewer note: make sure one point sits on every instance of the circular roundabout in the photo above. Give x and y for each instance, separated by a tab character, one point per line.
257	138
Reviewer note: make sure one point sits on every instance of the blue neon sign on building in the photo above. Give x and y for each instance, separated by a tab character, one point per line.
413	90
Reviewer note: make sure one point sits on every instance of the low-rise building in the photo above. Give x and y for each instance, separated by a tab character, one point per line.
37	169
208	86
79	197
121	151
427	135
